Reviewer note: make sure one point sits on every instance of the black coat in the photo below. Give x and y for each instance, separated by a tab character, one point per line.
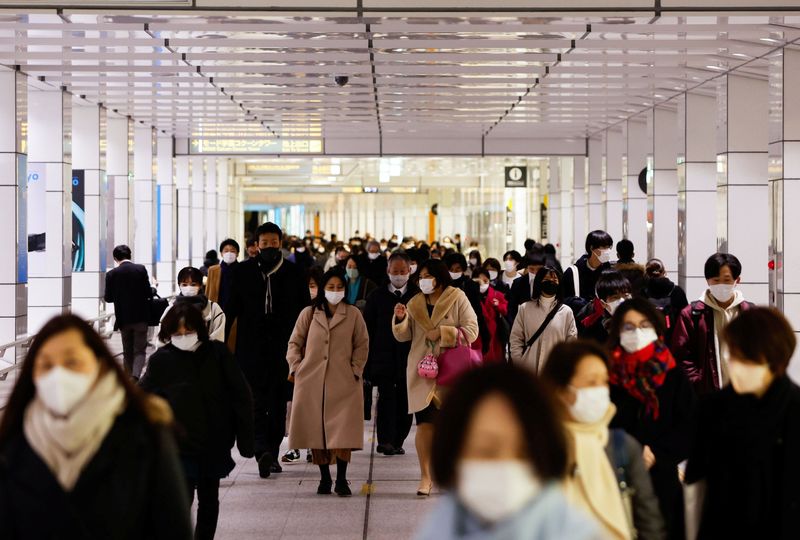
588	278
747	451
374	270
388	357
211	401
261	338
132	489
669	437
128	288
518	294
669	298
473	292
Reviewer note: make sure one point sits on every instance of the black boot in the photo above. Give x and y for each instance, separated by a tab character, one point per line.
342	488
325	482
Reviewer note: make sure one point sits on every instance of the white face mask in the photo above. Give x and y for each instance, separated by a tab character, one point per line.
496	490
399	281
373	256
61	389
511	266
492	275
636	340
456	275
426	285
186	342
189	290
604	256
722	292
334	297
484	287
591	404
300	250
413	269
611	307
473	262
748	378
229	257
312	292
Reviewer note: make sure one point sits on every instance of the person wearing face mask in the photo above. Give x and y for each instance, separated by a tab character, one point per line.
220	276
433	321
268	295
211	259
359	287
667	297
612	290
541	323
511	262
373	262
301	256
696	341
495	270
386	366
457	265
655	402
587	271
326	357
338	258
748	436
211	402
495	309
189	284
475	261
83	452
608	477
522	289
500	451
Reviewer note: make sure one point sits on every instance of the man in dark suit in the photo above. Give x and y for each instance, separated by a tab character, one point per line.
388	358
267	294
522	288
128	288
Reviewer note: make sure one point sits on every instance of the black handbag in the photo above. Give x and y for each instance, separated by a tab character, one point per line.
156	308
503	329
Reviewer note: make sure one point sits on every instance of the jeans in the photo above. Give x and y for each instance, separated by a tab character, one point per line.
207	506
134	347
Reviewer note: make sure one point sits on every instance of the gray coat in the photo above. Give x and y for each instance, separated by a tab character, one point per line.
647	518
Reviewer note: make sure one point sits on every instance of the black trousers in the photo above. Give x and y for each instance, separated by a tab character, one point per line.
269	407
134	347
393	421
207	506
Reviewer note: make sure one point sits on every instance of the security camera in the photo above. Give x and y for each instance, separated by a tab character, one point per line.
341	80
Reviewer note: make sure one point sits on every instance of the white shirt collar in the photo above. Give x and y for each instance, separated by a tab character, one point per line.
393	289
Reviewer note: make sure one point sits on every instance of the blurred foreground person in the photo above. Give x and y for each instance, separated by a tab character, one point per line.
83	453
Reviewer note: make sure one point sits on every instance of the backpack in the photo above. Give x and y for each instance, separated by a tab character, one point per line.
664	306
575	302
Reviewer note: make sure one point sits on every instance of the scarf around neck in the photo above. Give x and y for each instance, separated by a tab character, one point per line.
642	373
67	444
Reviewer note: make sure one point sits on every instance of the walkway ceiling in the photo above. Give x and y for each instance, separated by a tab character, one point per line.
496	81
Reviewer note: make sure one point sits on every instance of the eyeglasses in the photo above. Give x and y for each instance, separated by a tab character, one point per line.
629	327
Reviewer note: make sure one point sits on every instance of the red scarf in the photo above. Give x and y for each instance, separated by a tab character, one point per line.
642	373
597	313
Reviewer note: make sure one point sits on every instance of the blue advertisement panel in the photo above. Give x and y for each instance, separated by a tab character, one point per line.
78	221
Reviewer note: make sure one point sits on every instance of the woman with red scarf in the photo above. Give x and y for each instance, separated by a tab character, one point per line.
654	401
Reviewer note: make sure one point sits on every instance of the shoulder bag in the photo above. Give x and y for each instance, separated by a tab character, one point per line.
543	327
454	362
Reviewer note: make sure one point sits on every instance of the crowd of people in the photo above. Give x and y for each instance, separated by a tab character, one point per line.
593	401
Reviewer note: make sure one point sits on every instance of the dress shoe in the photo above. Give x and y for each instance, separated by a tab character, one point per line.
265	465
424	491
342	488
398	451
385	449
276	467
324	487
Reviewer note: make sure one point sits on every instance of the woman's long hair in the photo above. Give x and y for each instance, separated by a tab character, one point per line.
25	390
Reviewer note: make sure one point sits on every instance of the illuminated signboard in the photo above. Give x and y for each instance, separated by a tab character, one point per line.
256	146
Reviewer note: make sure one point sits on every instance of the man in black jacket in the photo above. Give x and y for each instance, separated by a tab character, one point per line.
128	288
373	262
457	264
388	358
267	295
522	288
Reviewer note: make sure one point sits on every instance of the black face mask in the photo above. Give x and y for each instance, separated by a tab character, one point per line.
549	287
270	256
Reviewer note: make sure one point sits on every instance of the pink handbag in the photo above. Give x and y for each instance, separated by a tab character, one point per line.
428	367
454	362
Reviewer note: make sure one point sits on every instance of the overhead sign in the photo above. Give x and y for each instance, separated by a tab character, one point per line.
516	177
256	146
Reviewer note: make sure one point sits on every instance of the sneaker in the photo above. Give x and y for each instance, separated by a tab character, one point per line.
291	456
324	487
342	488
265	465
276	467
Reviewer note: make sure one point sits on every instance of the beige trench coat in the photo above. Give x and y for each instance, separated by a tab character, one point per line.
530	317
452	311
327	358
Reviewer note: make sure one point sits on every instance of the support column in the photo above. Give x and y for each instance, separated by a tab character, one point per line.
612	184
88	284
183	230
697	190
663	191
595	191
49	153
165	262
13	225
144	245
743	194
580	218
223	200
553	235
118	166
198	212
212	242
567	224
784	169
635	200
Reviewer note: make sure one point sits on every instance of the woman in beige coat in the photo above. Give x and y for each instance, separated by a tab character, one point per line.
435	315
530	317
327	353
